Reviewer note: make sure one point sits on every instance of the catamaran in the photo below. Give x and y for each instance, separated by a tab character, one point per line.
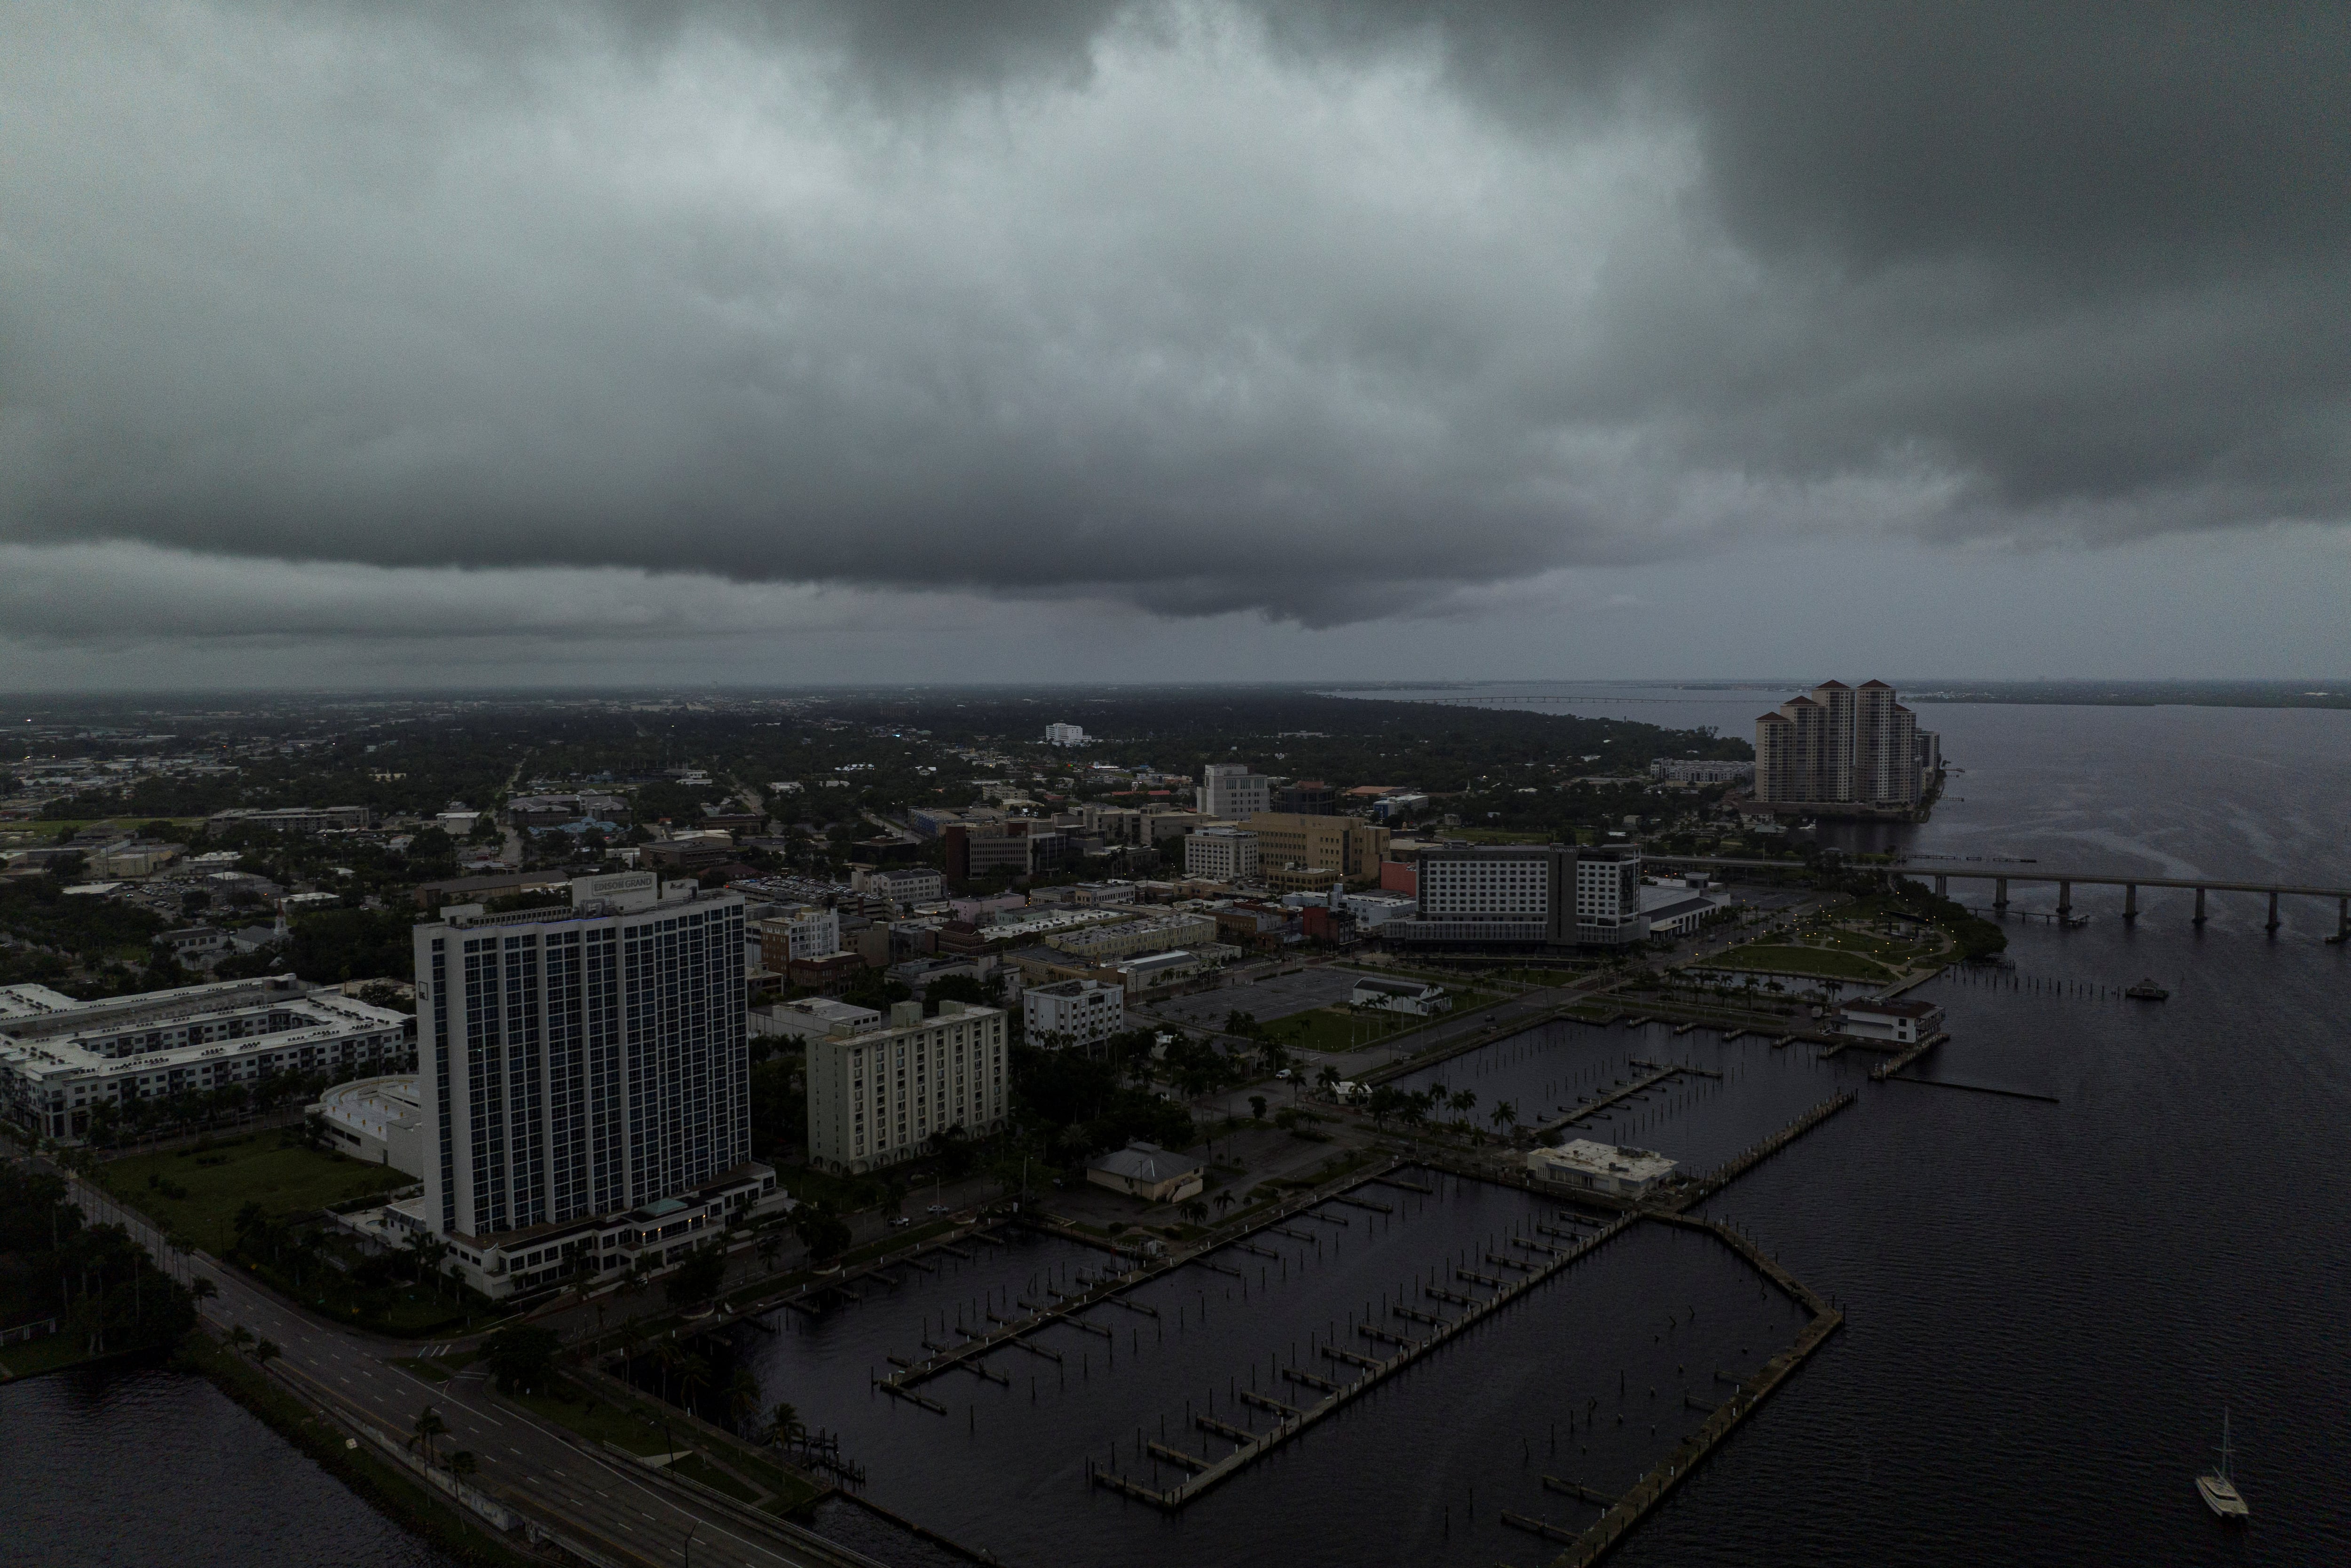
2219	1491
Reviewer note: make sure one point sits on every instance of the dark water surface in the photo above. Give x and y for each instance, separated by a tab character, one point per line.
150	1468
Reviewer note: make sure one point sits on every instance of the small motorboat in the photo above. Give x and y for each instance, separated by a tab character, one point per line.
2215	1485
2146	991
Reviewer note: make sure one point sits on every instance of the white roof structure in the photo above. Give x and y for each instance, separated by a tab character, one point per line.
1146	1163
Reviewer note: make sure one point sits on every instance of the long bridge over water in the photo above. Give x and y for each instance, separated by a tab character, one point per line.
1942	874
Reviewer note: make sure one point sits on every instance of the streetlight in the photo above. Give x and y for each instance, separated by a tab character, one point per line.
689	1543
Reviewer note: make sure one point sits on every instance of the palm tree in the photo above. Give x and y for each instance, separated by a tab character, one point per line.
1224	1203
265	1351
427	1427
672	1356
239	1337
742	1396
1463	1102
784	1425
463	1464
695	1379
1505	1113
202	1290
1196	1211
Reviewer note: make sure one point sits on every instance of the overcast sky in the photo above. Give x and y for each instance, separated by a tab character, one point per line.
425	344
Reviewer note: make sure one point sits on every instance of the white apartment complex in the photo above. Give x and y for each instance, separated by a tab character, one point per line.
1221	854
1073	1013
60	1059
876	1099
1230	789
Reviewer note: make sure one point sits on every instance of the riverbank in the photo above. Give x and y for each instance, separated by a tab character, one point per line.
319	1439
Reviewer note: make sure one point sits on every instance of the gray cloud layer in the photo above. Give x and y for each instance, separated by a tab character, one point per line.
1304	310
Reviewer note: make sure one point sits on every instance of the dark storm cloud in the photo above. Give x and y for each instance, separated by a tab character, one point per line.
1317	309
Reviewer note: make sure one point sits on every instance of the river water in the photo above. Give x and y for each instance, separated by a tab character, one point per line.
143	1468
2049	1304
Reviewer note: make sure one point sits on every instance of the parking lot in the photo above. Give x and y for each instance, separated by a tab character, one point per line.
1266	999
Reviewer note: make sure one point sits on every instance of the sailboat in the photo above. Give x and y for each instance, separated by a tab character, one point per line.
2219	1491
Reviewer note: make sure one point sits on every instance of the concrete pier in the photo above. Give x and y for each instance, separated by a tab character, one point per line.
1628	1510
1375	1370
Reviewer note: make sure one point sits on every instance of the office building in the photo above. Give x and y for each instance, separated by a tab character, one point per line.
585	1080
805	932
1221	854
904	886
1073	1013
1064	735
1839	746
1305	798
60	1059
874	1100
1347	845
1230	789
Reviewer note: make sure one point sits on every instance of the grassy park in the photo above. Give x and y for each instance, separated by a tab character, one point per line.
197	1191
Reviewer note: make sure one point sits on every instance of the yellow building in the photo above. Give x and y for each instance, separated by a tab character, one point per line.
1349	845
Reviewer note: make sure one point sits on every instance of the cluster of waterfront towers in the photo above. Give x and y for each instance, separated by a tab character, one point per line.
1849	746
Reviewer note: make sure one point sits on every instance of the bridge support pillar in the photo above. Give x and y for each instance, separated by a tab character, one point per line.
2273	919
2130	901
2000	893
2199	906
1942	887
2343	920
2065	900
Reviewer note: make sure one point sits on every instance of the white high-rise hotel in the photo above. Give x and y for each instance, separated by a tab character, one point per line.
584	1079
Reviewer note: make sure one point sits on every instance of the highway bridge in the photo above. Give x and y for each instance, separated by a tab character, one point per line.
1942	874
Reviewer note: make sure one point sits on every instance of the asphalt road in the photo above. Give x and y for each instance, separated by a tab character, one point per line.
615	1507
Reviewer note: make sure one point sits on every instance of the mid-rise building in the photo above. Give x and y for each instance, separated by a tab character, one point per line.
1073	1013
1064	735
580	1066
903	885
61	1058
1839	746
877	1099
1347	845
806	932
1221	854
1554	896
1700	770
1230	789
1102	943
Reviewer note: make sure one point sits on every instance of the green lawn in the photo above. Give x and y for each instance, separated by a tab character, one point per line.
253	1168
1825	962
46	1354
